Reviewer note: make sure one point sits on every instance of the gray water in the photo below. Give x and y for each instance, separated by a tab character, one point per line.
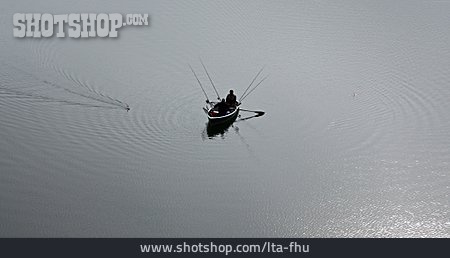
355	141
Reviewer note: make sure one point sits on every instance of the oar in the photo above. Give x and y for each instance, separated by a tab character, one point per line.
260	113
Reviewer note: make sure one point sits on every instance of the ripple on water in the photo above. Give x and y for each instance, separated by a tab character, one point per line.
394	107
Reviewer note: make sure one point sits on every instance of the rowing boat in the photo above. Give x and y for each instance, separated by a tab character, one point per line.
215	118
212	109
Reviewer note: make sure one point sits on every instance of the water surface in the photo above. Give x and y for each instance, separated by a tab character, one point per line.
354	143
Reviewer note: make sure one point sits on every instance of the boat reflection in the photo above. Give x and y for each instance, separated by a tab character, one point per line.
215	130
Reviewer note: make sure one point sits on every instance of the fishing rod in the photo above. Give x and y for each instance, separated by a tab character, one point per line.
240	100
204	92
254	88
209	77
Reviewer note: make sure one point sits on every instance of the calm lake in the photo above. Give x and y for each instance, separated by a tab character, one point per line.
355	140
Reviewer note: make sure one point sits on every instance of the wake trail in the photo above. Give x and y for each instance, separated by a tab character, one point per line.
20	86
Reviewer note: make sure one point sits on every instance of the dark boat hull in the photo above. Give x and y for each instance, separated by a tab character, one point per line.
228	118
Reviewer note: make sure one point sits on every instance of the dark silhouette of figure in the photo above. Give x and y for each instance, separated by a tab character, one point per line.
222	107
231	99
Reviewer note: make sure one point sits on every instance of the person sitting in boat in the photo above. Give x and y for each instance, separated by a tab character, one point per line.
222	107
231	99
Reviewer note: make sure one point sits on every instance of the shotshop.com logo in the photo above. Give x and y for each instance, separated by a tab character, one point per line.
81	25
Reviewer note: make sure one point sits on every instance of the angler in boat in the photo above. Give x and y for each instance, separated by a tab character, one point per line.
222	107
219	112
225	110
231	99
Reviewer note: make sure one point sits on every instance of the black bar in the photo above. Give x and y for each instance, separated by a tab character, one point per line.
131	247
